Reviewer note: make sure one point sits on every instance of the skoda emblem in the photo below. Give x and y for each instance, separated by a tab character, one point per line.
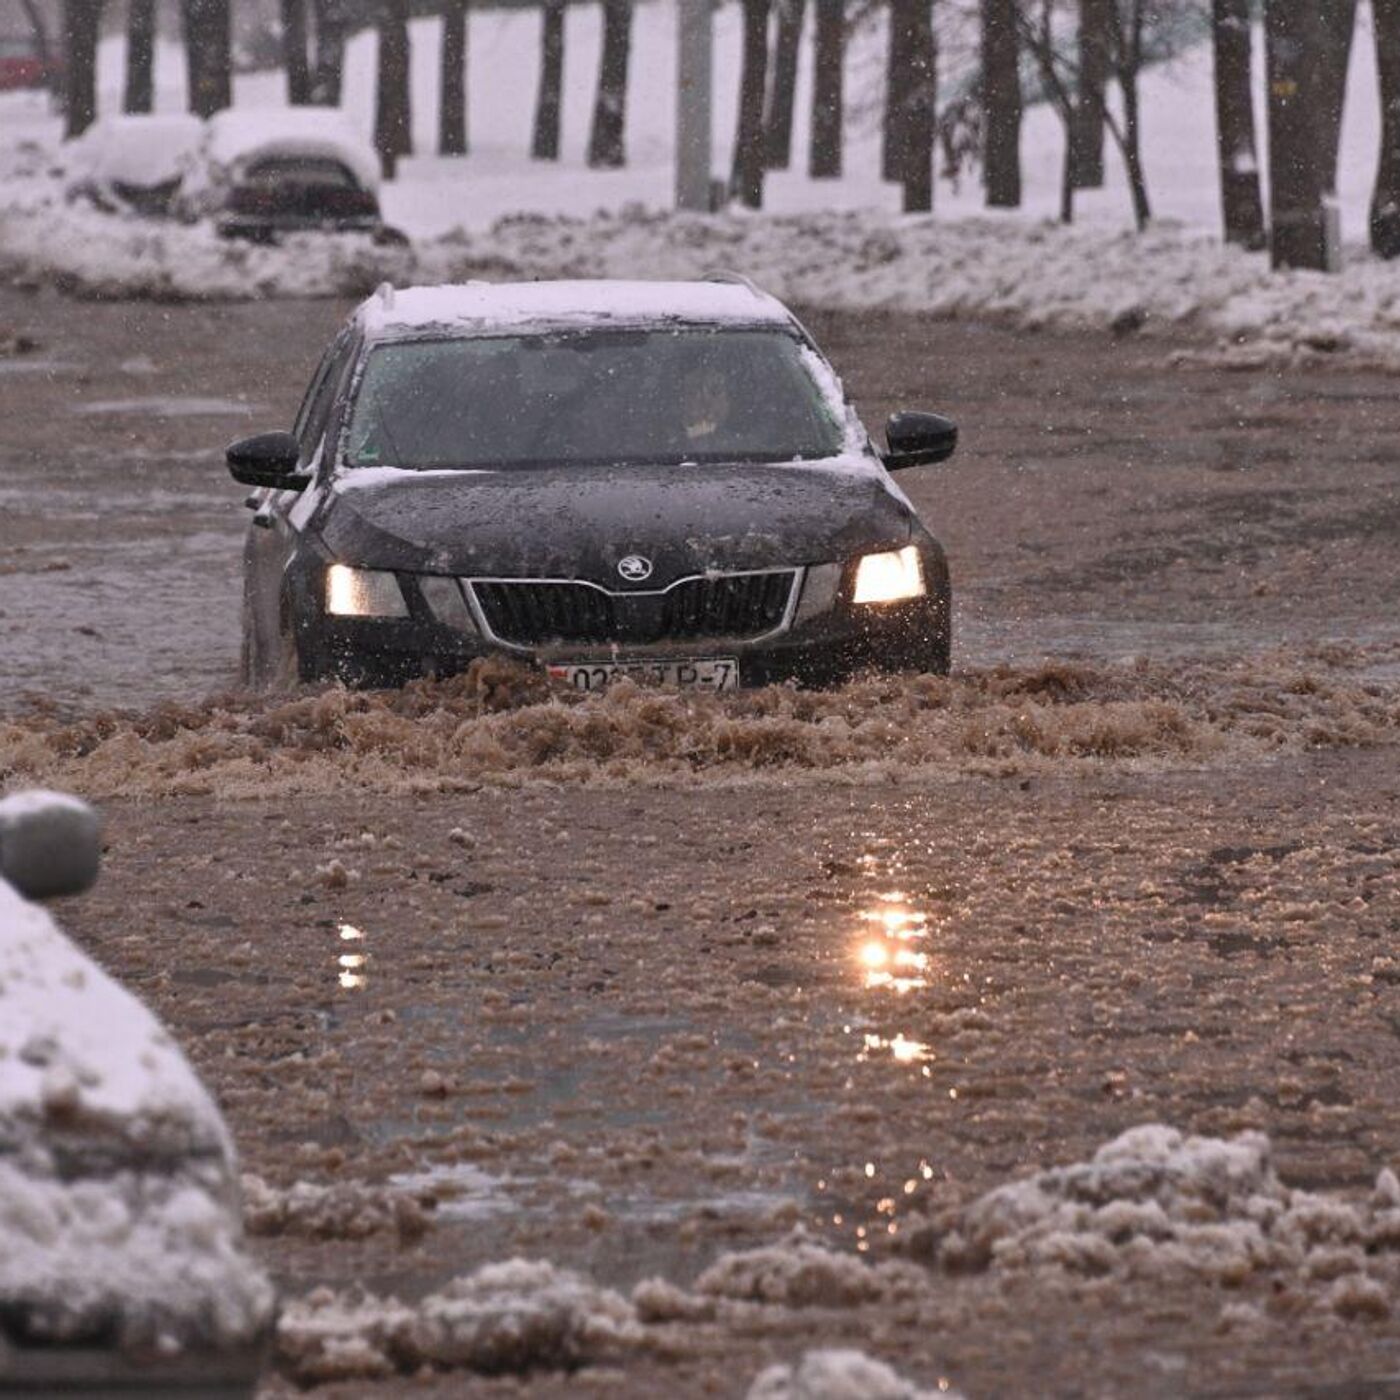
634	568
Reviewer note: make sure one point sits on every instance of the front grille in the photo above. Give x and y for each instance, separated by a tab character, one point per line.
727	605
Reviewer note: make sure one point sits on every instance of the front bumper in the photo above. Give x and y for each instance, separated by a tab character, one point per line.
825	640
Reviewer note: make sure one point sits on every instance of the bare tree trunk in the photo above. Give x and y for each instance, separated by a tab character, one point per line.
294	52
82	22
782	91
911	102
38	26
331	26
545	145
1038	38
1385	203
828	89
921	116
140	56
452	110
208	54
1097	21
1337	19
1241	199
1001	103
746	181
1292	29
393	115
1127	50
892	135
606	147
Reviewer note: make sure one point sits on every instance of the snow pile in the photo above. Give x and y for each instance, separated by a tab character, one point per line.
1030	274
1035	275
838	1375
350	1210
154	1258
524	1315
126	153
93	254
118	1208
1154	1203
800	1273
514	1317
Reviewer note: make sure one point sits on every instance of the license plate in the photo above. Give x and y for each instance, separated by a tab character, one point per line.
717	674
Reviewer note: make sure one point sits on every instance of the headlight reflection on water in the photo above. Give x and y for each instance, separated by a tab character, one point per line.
351	966
885	950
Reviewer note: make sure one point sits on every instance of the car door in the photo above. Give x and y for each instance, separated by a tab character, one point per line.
279	517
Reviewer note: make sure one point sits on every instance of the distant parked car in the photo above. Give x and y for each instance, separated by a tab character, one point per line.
262	173
256	174
122	1267
22	63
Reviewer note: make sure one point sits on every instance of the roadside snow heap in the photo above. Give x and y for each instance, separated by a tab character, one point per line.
1153	1203
839	1375
511	1317
119	1223
1037	275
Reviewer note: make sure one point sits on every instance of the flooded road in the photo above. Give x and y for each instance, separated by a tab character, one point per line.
1101	505
643	983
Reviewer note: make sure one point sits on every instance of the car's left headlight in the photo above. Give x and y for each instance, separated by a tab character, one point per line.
363	593
892	577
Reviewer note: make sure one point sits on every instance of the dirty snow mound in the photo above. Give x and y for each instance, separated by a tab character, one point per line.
350	1210
514	1317
800	1273
838	1375
1153	1202
153	1257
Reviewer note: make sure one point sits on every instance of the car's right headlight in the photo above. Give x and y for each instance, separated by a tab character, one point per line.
363	593
892	577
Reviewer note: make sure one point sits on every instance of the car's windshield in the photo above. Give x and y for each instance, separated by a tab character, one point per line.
597	397
299	170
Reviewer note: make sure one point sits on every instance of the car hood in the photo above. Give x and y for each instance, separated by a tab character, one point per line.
579	522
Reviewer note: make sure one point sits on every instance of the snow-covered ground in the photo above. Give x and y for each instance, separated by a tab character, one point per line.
842	243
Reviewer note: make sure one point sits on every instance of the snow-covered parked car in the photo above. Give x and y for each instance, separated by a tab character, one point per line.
256	174
135	164
122	1267
266	172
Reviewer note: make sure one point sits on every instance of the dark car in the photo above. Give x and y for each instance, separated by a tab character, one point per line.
265	172
599	478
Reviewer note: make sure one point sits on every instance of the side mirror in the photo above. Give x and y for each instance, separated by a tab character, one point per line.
919	439
50	844
270	459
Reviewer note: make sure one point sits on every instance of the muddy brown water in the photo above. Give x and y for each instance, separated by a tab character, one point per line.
627	1019
1100	504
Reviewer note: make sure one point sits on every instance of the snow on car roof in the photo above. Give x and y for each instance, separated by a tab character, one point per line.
143	149
76	1045
241	134
481	306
